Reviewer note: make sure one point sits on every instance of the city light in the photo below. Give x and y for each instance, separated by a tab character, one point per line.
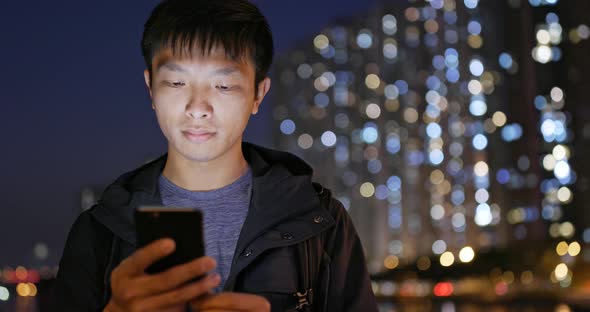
443	289
4	293
26	290
423	263
391	262
562	248
527	277
438	247
574	249
367	189
561	271
21	273
321	42
466	254
447	259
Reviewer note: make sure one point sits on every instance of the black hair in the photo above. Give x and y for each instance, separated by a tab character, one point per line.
198	26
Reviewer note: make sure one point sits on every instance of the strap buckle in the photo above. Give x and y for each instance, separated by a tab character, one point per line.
303	299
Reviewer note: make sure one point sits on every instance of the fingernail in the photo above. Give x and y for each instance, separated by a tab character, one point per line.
168	245
215	278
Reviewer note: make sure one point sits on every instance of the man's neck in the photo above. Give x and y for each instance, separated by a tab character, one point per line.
205	176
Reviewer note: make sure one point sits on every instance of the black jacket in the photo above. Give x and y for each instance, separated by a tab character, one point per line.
284	212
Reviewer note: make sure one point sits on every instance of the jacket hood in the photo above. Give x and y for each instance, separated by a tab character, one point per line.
281	190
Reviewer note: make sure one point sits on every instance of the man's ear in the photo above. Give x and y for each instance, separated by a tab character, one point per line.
263	88
147	78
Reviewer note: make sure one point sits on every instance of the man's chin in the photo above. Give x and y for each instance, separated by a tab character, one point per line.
199	157
201	153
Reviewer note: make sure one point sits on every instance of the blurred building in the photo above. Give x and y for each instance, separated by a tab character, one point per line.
560	62
429	121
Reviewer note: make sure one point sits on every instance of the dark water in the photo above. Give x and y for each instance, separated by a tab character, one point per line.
450	306
29	304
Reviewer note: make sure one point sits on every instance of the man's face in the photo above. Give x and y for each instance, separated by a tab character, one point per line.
203	103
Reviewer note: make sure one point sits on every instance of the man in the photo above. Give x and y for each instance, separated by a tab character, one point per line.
274	241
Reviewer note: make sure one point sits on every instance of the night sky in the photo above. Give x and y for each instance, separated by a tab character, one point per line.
75	110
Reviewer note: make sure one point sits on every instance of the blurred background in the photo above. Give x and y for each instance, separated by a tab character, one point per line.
453	131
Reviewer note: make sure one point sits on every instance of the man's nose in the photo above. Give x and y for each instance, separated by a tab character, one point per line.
199	107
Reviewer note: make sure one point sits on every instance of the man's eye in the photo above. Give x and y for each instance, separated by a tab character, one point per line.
223	87
176	84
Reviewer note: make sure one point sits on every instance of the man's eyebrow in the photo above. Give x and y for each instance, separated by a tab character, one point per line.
225	71
171	66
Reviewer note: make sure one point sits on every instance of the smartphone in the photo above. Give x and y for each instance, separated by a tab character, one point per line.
183	225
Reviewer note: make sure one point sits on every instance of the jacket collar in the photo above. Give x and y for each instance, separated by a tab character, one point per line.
281	186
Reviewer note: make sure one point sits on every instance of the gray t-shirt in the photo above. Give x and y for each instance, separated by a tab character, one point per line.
224	211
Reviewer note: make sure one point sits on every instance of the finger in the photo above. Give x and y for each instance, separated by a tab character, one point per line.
232	301
173	277
183	294
137	263
180	308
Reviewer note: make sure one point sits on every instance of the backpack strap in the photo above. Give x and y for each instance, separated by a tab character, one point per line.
111	263
306	273
310	254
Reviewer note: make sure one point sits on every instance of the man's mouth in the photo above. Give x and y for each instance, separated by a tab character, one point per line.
198	135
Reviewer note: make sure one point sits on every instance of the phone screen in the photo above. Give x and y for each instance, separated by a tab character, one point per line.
183	225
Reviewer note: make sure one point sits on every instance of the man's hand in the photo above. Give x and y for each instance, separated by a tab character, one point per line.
134	290
231	302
